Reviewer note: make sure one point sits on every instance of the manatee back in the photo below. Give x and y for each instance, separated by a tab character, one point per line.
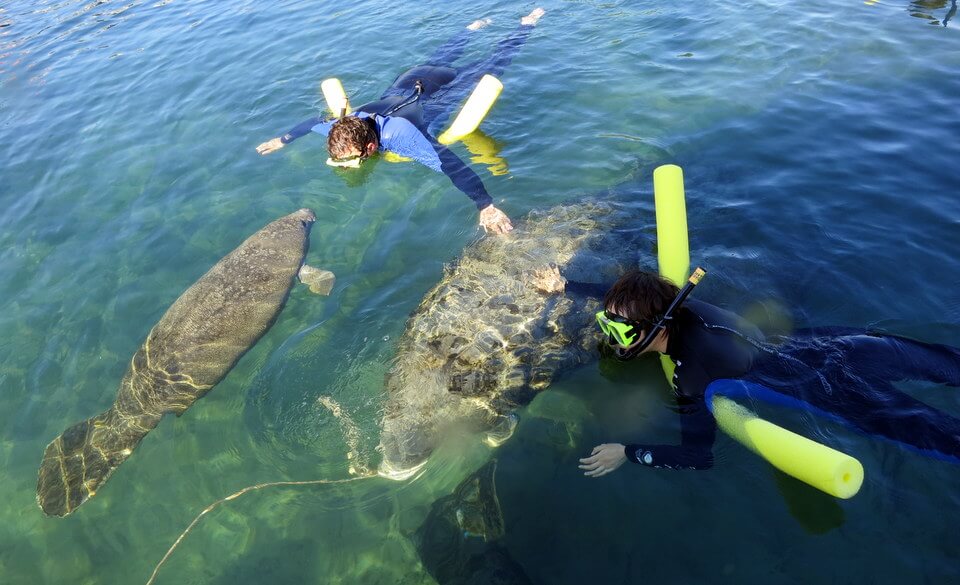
222	315
484	341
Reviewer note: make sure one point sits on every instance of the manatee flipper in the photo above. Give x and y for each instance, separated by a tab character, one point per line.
320	281
461	540
478	508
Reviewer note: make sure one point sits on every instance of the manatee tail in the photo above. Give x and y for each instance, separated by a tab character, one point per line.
80	460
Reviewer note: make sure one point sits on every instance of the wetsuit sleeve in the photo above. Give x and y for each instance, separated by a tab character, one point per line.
695	451
463	177
304	128
586	289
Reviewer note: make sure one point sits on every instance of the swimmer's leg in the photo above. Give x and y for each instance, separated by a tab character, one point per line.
884	411
892	358
508	48
450	51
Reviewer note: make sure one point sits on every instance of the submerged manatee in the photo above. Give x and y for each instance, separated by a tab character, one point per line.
459	543
191	348
484	341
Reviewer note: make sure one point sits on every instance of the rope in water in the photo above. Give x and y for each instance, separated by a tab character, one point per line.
352	437
236	495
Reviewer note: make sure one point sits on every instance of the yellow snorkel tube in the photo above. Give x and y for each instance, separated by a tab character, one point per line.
826	469
336	98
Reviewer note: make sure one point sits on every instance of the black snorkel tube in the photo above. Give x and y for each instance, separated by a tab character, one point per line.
661	323
417	92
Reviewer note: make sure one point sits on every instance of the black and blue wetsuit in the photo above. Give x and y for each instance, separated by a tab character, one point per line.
406	123
843	374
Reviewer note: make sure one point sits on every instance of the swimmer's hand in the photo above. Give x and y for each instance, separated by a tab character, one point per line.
548	280
495	221
269	146
604	459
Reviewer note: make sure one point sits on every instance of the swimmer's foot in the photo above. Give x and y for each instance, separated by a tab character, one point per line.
478	24
532	18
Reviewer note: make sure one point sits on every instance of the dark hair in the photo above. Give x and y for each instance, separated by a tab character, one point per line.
641	296
349	133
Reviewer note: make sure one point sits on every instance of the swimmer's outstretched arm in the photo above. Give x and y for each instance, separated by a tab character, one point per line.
491	219
698	431
418	145
301	129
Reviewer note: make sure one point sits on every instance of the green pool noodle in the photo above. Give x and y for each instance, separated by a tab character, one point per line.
826	469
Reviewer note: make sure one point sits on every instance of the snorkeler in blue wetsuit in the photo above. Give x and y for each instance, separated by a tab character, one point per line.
844	374
404	119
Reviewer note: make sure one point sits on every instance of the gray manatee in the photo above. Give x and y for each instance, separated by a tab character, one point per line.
484	341
193	346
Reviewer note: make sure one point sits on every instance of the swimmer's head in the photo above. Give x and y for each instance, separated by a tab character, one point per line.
640	298
351	140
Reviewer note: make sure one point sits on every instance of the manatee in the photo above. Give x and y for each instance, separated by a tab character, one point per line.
460	541
193	346
484	341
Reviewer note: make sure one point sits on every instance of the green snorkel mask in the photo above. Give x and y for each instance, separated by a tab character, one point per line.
619	330
623	332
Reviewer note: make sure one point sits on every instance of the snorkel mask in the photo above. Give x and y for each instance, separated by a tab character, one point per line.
347	162
622	332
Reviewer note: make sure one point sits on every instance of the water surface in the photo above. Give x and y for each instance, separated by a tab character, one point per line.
820	148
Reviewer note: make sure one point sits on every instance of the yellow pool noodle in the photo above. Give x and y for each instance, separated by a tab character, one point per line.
673	248
334	95
392	157
474	111
826	469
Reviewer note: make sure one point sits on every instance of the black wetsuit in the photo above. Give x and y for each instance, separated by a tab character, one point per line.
840	373
406	123
710	344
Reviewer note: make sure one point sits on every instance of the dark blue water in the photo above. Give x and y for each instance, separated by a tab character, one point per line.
820	149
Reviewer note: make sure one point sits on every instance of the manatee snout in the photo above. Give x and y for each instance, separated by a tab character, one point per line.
307	216
405	450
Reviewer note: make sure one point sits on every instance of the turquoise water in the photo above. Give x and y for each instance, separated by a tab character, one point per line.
820	148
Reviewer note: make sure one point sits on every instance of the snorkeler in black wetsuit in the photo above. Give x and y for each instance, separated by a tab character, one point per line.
843	374
405	118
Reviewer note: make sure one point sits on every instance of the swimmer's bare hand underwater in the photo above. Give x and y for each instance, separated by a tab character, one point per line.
402	121
603	459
